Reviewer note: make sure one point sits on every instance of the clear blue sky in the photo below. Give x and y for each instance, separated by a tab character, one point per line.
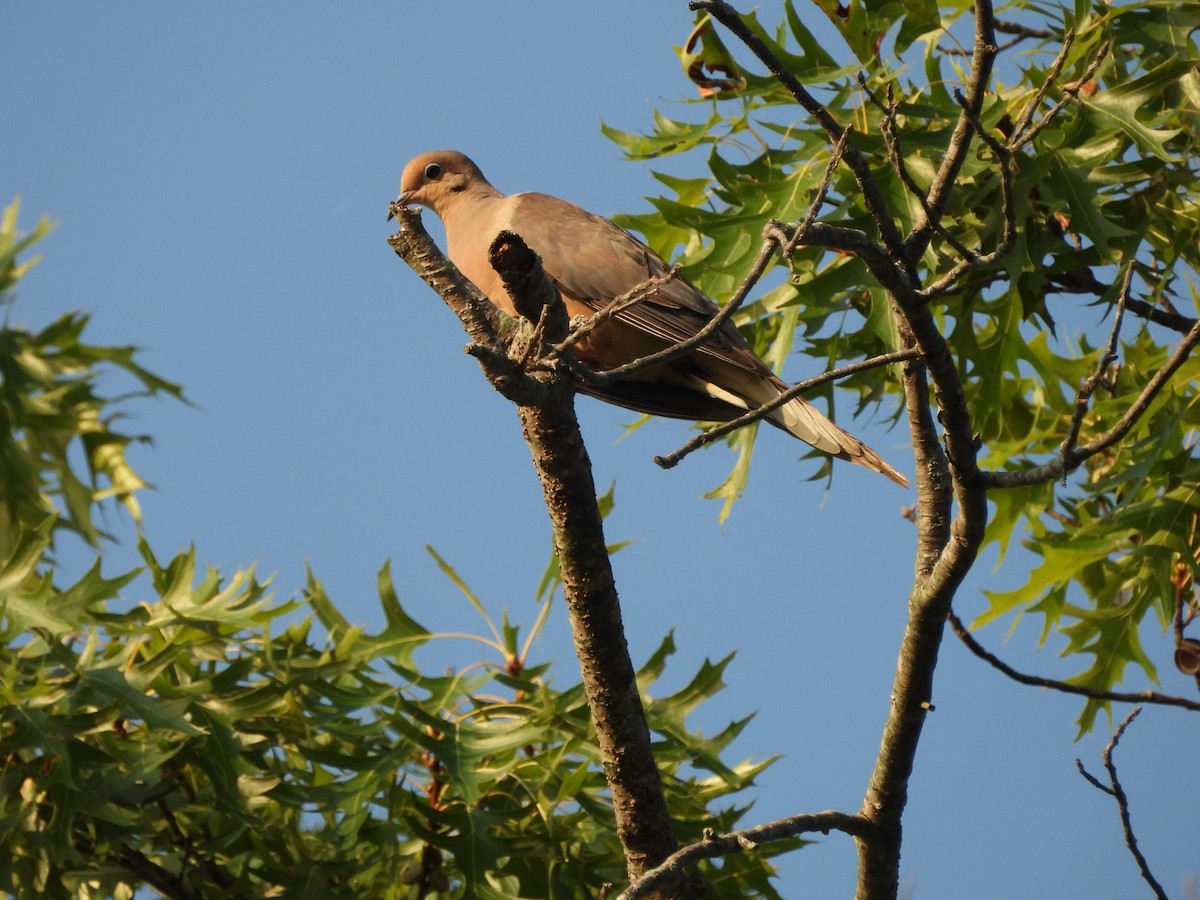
221	174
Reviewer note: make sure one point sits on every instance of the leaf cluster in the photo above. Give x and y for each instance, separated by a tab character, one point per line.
52	414
206	740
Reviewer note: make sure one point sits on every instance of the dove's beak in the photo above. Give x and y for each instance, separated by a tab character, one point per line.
402	200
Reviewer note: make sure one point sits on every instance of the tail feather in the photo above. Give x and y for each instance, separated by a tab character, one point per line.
801	419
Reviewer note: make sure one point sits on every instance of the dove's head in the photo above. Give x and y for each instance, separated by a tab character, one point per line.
438	179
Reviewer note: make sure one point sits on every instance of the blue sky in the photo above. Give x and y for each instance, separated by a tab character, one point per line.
220	175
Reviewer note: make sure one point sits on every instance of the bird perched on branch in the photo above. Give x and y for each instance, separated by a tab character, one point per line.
592	261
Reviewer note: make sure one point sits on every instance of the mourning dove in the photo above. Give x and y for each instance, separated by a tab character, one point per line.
591	261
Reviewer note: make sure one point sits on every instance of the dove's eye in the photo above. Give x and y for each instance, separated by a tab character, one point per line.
433	171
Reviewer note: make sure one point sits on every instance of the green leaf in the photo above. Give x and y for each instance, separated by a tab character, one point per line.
731	489
1123	106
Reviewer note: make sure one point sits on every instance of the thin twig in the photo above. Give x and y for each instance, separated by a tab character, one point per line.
1065	687
1107	358
1052	76
1000	48
839	150
761	412
1007	209
522	355
1005	157
1142	403
891	140
643	291
1181	583
1023	31
1118	793
1070	92
1092	779
737	841
778	231
1166	318
682	348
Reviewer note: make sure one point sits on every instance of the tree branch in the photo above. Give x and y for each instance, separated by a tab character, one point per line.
949	546
935	492
483	321
746	839
1092	779
548	422
1168	318
923	331
488	327
1118	793
788	249
1024	134
1022	31
891	140
940	569
1008	211
1018	134
1065	687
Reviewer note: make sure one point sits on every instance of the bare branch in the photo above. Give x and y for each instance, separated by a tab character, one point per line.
1118	793
551	429
790	237
933	477
839	150
891	277
490	329
747	839
761	412
1092	779
1065	687
1163	317
949	545
483	320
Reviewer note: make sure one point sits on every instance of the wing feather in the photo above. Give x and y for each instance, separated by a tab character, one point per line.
593	260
